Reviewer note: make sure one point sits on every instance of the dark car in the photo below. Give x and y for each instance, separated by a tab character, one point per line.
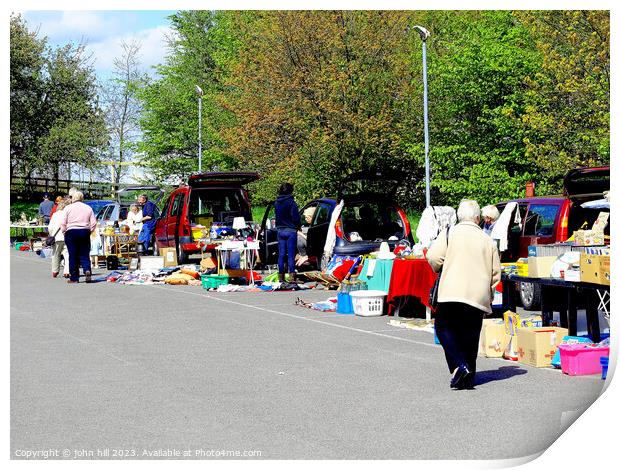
553	219
206	198
368	218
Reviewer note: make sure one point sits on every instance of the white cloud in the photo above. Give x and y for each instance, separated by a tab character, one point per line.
74	26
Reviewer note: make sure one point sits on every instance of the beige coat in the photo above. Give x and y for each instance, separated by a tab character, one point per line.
471	267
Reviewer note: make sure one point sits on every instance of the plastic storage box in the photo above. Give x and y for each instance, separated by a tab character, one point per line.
213	281
368	303
579	359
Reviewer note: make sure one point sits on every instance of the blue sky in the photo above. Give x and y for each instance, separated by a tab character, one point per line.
103	31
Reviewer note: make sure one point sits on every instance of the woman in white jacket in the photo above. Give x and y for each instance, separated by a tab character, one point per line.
59	249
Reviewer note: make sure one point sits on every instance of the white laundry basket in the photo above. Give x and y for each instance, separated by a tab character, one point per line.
368	303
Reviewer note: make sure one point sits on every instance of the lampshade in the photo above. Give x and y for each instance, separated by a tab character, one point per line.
239	223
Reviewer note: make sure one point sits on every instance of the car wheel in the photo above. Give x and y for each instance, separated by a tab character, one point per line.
181	255
530	295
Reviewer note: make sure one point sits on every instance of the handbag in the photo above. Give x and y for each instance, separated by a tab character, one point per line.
434	293
49	241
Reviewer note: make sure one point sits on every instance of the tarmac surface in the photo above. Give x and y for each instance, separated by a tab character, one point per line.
104	371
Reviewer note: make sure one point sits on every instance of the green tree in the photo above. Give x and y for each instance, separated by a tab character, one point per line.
170	110
26	69
55	116
317	95
566	123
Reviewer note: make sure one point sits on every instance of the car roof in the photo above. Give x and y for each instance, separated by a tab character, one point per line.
539	199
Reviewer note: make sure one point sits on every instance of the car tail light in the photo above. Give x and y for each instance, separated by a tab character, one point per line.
563	229
338	228
185	227
403	216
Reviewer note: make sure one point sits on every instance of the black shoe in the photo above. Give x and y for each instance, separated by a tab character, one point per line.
460	377
88	276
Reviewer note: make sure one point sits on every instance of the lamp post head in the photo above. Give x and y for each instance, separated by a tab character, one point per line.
423	32
198	90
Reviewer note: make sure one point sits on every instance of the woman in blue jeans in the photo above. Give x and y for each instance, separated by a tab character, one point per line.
288	222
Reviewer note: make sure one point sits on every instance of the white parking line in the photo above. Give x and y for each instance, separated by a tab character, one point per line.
334	325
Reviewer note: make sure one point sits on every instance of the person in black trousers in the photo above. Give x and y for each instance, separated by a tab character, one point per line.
77	221
470	266
288	222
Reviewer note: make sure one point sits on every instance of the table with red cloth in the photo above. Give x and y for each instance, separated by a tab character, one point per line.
410	278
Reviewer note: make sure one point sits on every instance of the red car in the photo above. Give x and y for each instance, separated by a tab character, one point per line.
207	198
553	219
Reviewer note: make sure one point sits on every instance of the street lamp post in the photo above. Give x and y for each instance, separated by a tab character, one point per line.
199	93
424	35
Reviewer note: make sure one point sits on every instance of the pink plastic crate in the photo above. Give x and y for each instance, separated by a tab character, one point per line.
578	359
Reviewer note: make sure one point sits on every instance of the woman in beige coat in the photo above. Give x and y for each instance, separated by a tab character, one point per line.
471	270
59	249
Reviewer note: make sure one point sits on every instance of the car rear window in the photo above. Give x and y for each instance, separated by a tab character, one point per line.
540	220
372	221
208	205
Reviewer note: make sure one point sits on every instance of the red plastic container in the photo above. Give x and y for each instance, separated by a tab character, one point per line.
578	359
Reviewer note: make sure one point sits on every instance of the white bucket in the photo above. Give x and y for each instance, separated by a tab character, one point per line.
368	303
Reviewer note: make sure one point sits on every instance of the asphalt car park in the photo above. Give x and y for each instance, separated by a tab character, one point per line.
145	368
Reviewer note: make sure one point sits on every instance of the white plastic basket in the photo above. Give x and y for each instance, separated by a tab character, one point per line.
368	303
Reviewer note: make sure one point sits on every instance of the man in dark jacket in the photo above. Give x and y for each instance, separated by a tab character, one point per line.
288	222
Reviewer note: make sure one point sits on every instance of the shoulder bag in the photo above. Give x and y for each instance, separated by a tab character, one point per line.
49	241
434	293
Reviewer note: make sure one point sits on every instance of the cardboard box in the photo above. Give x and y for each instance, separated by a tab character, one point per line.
540	266
588	237
537	346
493	338
594	268
151	263
170	256
513	321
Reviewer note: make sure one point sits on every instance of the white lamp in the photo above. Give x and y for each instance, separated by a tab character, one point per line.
239	224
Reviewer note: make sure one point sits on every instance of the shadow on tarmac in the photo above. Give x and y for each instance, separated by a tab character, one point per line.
503	373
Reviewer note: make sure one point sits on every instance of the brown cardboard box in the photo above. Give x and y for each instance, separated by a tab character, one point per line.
540	266
170	256
536	346
493	338
588	237
594	268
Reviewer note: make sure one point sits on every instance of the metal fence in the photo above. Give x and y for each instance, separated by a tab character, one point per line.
23	188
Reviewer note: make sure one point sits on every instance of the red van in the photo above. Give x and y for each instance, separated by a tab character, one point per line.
553	219
207	198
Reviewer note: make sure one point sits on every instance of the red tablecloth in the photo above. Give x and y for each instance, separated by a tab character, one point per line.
410	277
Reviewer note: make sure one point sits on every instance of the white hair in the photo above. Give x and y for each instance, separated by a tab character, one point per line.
77	196
468	210
72	191
491	212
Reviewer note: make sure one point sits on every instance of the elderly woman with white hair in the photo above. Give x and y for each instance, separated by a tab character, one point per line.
471	270
78	220
490	214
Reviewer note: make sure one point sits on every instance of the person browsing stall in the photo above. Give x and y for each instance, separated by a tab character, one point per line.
134	219
302	235
287	223
59	249
45	209
490	214
77	221
148	221
470	271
